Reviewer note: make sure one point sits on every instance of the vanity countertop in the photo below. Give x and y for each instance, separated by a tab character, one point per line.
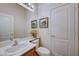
25	50
14	51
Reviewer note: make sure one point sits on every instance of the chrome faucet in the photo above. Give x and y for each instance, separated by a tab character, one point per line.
15	43
11	36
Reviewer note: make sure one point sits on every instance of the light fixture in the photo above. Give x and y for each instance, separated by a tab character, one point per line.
28	6
31	5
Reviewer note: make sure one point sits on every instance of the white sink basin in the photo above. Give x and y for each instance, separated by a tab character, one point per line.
19	49
16	48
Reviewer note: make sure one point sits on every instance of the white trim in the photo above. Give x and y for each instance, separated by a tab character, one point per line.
76	30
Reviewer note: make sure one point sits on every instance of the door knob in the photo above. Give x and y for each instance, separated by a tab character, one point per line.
52	35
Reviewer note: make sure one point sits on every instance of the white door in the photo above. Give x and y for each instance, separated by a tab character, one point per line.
62	30
6	27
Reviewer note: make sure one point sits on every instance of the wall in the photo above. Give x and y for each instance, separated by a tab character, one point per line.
18	13
44	11
29	17
40	11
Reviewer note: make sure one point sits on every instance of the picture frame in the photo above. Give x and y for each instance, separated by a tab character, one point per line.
34	24
43	22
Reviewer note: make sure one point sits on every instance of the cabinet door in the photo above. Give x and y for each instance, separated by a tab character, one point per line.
35	53
32	52
62	30
29	53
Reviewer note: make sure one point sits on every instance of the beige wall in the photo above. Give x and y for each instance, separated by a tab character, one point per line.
18	13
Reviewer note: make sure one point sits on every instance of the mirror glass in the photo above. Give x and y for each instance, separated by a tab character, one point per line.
6	27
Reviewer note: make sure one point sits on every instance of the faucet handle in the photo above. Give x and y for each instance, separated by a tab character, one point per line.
15	43
11	36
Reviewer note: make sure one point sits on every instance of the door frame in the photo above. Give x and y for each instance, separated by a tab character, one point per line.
76	30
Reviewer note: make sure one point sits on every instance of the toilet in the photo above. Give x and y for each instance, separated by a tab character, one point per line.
42	51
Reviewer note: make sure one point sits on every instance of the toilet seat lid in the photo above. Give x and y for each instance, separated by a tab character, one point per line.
43	50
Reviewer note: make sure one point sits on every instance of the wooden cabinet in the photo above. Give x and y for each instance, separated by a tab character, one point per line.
31	52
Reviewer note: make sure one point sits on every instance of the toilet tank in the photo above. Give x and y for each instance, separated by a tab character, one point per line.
36	41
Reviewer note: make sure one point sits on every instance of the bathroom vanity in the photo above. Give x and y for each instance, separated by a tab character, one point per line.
23	48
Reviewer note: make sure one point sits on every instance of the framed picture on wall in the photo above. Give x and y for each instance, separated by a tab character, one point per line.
43	22
34	24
